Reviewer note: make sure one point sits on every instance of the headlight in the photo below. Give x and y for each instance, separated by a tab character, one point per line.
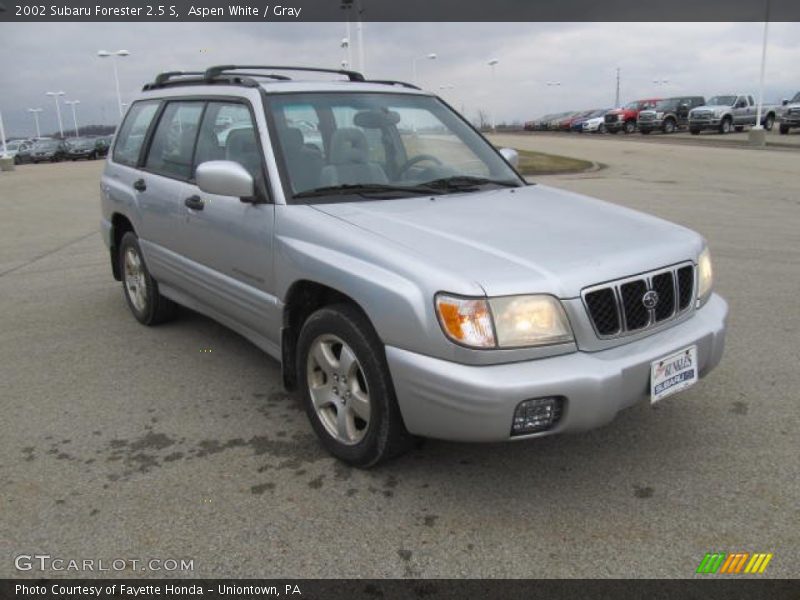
705	277
506	322
659	115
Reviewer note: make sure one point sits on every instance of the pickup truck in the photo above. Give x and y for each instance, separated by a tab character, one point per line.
624	119
728	112
790	114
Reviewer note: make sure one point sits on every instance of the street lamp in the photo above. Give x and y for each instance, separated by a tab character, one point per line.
492	63
74	103
113	56
55	96
661	81
345	45
431	56
35	112
553	83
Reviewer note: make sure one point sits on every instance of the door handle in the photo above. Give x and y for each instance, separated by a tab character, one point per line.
139	185
195	202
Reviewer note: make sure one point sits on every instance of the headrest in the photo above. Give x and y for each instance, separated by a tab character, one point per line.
348	146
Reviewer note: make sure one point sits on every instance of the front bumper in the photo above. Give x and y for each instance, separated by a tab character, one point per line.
451	401
705	123
791	121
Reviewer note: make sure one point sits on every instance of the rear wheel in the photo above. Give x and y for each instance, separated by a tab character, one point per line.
347	389
669	126
739	128
769	122
784	129
140	289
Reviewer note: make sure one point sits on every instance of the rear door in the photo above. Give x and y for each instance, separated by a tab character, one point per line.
167	165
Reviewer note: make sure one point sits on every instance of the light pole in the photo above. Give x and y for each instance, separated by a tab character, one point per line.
345	45
55	96
492	63
113	56
4	153
74	103
430	56
757	135
35	112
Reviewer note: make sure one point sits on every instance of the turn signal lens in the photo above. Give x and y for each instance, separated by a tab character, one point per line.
705	277
466	320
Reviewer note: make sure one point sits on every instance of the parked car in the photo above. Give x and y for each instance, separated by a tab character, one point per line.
596	117
728	112
565	122
19	150
395	276
624	119
790	114
48	151
77	148
668	115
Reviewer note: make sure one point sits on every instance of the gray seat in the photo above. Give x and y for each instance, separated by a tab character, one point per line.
304	164
349	160
241	146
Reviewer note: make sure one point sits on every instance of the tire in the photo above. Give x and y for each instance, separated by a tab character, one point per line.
602	128
784	129
358	420
725	125
630	127
669	126
139	288
769	122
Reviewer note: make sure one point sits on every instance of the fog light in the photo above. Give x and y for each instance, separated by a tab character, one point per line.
539	414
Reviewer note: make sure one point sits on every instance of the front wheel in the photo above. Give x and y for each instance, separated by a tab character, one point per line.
347	390
140	289
630	126
725	126
769	122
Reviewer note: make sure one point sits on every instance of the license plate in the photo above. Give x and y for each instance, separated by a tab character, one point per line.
673	373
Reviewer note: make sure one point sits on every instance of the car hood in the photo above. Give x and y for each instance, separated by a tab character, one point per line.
595	120
710	107
535	239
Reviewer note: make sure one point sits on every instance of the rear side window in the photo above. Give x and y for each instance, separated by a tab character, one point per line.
132	132
173	143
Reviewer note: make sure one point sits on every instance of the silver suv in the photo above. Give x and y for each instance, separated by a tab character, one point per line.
408	279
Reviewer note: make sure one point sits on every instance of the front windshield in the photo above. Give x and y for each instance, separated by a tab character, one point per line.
722	101
380	141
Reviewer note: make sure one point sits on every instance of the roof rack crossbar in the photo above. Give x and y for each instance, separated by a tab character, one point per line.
198	79
392	82
217	70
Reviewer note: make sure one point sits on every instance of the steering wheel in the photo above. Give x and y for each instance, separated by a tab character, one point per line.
417	159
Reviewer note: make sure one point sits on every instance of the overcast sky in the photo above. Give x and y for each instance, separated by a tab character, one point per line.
695	58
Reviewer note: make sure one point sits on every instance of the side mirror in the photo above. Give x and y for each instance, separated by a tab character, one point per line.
784	102
225	178
511	155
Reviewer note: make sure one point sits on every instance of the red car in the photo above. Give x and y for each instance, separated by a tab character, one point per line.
624	119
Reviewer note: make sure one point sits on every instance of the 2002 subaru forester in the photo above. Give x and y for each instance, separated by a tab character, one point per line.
408	279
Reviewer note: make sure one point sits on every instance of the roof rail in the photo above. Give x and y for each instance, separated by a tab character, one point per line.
181	78
391	82
216	71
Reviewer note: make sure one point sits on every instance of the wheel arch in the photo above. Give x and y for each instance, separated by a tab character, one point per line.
120	225
303	298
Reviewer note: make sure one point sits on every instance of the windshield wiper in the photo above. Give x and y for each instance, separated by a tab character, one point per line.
367	188
467	182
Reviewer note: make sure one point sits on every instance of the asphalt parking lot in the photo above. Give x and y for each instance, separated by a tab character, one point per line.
176	442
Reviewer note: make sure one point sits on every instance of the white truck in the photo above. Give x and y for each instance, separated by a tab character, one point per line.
730	112
790	117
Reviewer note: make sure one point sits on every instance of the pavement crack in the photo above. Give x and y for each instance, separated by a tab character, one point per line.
48	253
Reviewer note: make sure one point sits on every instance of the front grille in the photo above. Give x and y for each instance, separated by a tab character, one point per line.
611	118
618	307
647	116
